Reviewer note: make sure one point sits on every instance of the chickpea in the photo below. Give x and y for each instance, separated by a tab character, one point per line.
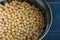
3	38
13	33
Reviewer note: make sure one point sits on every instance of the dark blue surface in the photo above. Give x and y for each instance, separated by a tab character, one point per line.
52	0
54	33
56	17
52	36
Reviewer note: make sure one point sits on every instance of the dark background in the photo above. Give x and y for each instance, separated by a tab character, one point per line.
54	33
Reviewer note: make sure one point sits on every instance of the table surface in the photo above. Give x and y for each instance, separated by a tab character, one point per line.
54	32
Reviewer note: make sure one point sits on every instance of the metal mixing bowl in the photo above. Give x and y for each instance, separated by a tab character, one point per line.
44	7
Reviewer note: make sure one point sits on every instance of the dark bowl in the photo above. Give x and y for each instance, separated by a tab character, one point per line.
44	7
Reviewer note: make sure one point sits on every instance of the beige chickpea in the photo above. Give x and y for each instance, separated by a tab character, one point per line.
10	36
6	4
3	38
18	33
5	28
9	31
13	33
6	36
16	29
13	30
14	3
3	35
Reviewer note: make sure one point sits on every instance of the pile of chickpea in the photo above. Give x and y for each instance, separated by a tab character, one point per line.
20	21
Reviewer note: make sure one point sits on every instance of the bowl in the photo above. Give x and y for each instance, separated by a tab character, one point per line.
44	7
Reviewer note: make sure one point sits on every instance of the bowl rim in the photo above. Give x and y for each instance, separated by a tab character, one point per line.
46	30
